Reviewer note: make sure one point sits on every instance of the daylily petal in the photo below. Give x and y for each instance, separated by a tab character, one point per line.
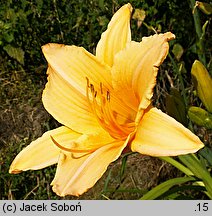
42	152
135	69
121	112
75	176
71	108
123	69
116	36
75	65
67	105
160	135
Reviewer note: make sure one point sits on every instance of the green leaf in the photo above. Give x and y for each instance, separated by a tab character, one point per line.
204	7
175	106
174	193
200	117
204	27
16	53
203	84
123	166
102	20
164	187
177	51
102	4
139	15
207	154
194	164
8	37
107	181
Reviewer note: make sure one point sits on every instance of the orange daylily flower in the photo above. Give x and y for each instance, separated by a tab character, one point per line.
104	103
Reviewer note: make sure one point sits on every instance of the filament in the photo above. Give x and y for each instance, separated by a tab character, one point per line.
69	149
101	107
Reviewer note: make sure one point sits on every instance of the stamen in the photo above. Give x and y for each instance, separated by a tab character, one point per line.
87	152
87	81
113	120
101	88
109	120
129	125
87	94
101	108
69	149
108	95
92	88
78	157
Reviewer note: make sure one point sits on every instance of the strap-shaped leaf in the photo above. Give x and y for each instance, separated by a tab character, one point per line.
203	84
164	187
200	117
175	106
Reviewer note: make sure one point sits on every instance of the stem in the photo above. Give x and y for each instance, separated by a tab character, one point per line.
198	28
176	69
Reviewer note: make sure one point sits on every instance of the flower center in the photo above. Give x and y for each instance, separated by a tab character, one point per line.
100	103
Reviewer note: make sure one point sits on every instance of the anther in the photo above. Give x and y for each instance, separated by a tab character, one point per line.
108	95
101	89
92	88
69	149
87	82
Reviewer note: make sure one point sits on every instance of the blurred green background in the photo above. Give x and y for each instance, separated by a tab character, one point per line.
26	25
